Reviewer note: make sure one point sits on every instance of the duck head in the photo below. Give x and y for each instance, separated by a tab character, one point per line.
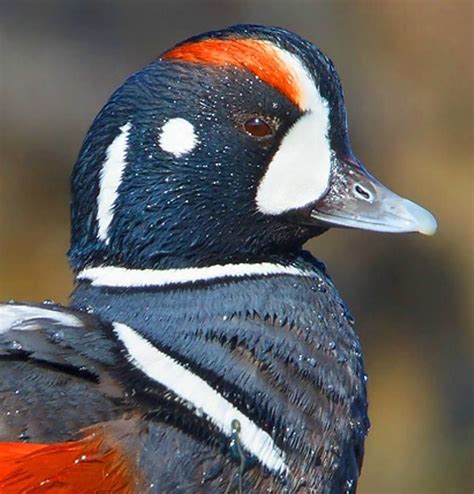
233	146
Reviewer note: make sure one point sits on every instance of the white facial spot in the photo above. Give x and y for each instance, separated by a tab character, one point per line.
300	169
178	137
110	179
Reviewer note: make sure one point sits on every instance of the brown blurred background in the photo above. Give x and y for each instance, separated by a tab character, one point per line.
407	70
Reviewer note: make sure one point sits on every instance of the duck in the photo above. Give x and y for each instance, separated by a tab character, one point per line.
203	350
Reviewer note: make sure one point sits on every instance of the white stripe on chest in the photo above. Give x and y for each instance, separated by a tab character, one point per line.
198	393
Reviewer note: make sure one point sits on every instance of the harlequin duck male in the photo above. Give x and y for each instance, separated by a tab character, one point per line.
204	351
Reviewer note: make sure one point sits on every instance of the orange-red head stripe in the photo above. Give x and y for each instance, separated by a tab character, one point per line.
256	56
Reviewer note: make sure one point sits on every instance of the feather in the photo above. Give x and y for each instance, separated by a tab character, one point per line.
89	465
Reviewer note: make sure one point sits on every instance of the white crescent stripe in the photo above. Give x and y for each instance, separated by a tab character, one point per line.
300	170
122	277
110	179
191	388
310	99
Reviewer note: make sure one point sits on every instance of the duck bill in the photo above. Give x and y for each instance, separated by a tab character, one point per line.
355	199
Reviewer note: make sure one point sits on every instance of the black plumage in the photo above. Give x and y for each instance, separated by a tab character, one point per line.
246	323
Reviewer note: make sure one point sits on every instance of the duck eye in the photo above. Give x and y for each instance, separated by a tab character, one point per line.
257	127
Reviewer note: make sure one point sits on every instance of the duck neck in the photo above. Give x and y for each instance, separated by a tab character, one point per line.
256	334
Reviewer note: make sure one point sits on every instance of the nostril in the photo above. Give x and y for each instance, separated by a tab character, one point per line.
363	193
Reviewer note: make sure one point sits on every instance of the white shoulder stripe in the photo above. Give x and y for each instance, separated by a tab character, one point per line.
17	316
110	179
191	388
122	277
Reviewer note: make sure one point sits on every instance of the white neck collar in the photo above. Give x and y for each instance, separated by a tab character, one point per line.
113	276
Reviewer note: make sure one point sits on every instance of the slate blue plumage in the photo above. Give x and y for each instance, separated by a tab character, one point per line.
268	339
281	348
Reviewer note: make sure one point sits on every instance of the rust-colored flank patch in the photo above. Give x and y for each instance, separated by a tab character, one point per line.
256	56
88	466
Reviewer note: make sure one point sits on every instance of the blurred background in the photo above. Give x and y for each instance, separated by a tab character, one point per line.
407	70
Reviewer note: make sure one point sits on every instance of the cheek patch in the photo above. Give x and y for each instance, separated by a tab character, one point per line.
300	170
178	137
